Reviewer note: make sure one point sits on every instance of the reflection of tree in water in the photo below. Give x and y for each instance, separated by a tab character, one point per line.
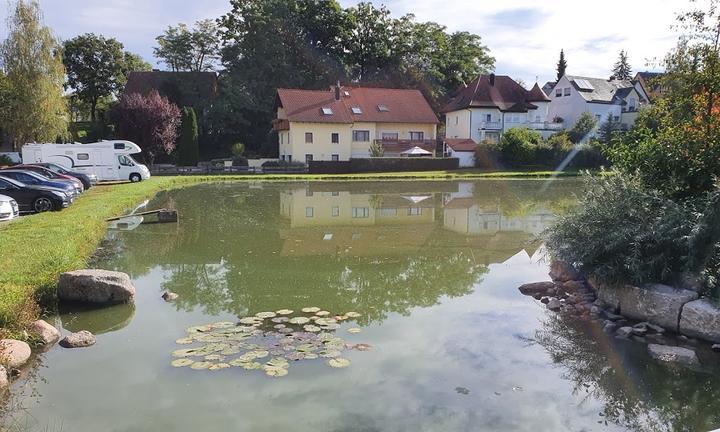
638	393
199	284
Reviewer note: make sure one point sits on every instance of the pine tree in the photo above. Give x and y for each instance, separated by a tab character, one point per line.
622	69
561	66
188	150
36	108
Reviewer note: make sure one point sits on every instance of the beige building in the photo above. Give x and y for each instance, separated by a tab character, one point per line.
343	122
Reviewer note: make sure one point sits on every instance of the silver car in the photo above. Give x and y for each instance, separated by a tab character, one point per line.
8	208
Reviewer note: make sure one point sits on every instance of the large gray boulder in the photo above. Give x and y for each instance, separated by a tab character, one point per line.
14	353
561	271
658	304
608	294
536	288
47	334
80	339
701	319
96	286
673	354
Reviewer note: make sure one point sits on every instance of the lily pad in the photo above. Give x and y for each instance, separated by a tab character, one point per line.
284	312
184	341
214	357
279	326
300	320
249	320
264	315
223	324
251	366
280	320
296	356
330	353
311	309
312	328
259	354
275	371
278	362
230	351
353	315
182	362
219	366
338	362
201	365
186	352
322	313
310	356
354	330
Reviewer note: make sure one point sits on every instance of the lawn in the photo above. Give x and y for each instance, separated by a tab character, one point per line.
37	249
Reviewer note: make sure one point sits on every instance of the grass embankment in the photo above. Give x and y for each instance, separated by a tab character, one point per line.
35	250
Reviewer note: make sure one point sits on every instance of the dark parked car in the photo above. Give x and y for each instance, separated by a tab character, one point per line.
34	198
88	181
52	175
35	179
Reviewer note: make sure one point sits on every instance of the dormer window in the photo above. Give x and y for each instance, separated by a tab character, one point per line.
383	108
356	110
327	111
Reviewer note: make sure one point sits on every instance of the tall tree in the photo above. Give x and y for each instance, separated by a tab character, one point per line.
97	67
36	108
185	49
188	150
561	65
150	121
622	69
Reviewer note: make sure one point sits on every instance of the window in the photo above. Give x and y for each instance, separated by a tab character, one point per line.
282	136
327	111
309	212
356	110
289	158
119	146
83	156
457	119
335	193
383	108
417	136
390	136
360	212
335	211
488	118
282	157
361	136
414	211
335	158
124	160
308	193
616	118
308	137
567	91
335	138
308	158
632	104
558	93
5	185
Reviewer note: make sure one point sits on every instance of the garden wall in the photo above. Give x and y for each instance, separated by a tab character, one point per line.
383	165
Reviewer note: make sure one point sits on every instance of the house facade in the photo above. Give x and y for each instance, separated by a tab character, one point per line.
492	104
573	95
343	122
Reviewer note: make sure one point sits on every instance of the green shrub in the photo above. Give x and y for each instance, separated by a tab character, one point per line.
518	145
488	155
188	148
238	149
582	127
623	233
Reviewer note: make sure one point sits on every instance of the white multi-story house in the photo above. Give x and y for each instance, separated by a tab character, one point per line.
573	95
492	104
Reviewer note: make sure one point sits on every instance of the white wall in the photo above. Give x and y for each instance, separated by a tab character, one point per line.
467	159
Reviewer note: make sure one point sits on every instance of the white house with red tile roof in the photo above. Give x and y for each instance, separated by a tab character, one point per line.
341	123
463	149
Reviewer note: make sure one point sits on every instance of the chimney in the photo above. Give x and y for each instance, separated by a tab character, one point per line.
492	79
337	91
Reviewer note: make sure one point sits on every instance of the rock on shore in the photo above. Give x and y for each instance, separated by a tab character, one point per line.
80	339
673	354
4	380
48	334
96	286
14	353
701	318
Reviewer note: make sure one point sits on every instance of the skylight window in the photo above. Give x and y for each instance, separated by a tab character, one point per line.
356	110
584	85
383	108
327	111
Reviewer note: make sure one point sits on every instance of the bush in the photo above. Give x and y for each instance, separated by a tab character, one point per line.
518	145
238	149
188	148
488	155
582	128
623	233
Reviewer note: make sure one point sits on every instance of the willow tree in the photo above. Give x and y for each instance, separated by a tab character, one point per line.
32	62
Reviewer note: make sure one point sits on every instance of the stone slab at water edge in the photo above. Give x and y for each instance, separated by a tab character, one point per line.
701	319
96	286
47	334
81	339
673	354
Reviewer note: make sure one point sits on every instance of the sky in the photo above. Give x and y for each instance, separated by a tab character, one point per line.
524	36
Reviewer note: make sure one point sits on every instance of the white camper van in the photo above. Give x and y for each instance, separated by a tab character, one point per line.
108	160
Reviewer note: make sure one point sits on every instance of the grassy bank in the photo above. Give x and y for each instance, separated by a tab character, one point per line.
37	249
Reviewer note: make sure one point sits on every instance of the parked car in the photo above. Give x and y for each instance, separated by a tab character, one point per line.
52	175
32	198
35	179
8	208
88	180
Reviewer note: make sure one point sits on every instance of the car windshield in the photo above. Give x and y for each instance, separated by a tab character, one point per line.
12	181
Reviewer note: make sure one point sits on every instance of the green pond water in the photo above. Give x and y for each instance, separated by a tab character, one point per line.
432	270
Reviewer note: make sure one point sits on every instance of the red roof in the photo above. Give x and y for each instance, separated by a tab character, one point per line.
461	145
495	91
400	105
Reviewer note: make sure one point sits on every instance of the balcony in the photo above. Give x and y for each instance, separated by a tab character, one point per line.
280	125
547	126
491	125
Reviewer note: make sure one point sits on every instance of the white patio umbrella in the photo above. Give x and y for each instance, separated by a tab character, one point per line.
416	151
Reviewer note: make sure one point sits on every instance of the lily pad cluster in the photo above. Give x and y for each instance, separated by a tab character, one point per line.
268	341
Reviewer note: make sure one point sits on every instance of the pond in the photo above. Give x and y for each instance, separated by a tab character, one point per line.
427	271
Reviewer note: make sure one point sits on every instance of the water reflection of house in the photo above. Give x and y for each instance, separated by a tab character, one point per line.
357	224
469	216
